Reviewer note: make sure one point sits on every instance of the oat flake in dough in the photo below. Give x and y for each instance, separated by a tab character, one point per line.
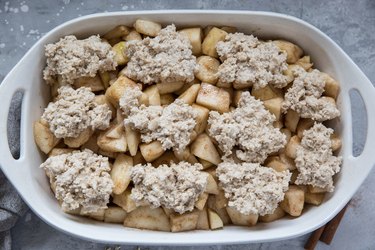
315	161
165	58
176	187
248	127
71	59
82	179
304	96
250	62
251	188
74	111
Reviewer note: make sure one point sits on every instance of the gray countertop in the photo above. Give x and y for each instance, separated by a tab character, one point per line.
350	23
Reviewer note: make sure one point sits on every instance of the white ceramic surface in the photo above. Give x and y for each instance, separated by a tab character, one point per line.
32	184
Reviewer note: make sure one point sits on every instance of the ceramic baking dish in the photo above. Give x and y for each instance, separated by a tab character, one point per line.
32	184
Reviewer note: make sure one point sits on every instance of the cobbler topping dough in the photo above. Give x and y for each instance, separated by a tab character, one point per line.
315	161
74	111
71	58
165	58
251	188
100	117
249	127
176	187
82	179
304	96
171	125
130	99
250	62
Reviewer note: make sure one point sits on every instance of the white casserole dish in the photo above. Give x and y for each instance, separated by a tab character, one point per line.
32	184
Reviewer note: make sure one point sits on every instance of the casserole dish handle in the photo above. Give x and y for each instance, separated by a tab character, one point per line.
7	90
367	91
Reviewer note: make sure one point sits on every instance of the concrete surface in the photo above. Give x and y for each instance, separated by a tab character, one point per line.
350	23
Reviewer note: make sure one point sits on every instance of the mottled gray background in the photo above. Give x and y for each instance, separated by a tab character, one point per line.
350	23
